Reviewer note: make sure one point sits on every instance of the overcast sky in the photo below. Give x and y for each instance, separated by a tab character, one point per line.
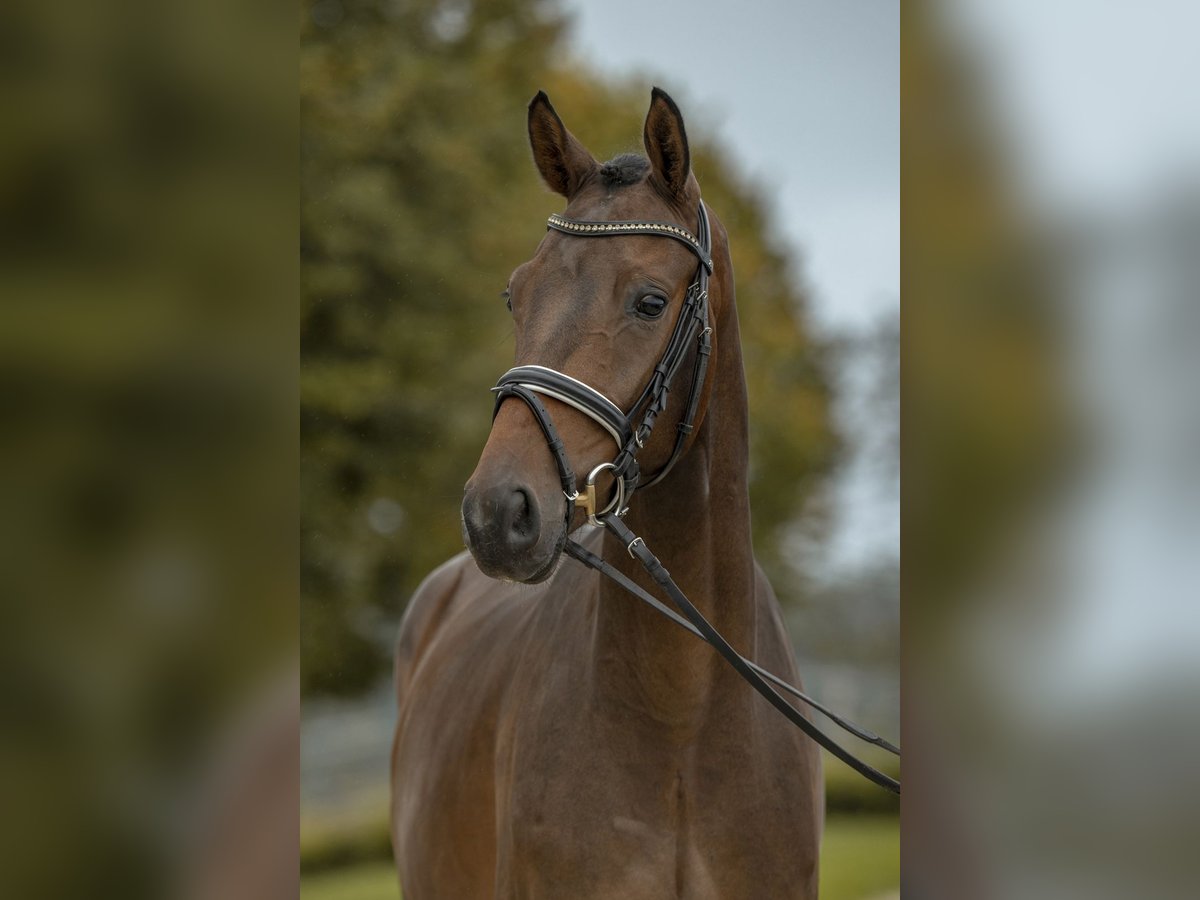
806	96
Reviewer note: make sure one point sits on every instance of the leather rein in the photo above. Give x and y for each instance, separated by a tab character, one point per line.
530	383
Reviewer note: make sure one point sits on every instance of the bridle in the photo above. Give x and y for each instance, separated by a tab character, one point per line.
530	383
630	434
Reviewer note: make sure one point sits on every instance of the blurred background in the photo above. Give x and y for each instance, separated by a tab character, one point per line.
149	689
149	676
419	197
1051	165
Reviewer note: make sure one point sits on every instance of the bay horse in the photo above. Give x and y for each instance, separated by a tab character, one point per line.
556	738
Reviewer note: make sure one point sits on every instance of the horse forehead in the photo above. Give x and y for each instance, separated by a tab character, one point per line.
586	265
631	202
591	266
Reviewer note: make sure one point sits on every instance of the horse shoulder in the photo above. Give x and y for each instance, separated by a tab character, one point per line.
774	644
426	611
776	654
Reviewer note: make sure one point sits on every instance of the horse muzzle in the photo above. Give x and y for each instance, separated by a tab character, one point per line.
507	533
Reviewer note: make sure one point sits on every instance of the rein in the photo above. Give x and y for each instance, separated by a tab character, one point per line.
528	383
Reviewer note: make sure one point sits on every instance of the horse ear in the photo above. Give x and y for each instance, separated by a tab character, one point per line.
563	162
667	145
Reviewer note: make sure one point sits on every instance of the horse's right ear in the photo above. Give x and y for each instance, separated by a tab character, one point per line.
563	162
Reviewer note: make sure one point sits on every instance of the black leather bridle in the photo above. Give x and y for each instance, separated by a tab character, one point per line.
630	431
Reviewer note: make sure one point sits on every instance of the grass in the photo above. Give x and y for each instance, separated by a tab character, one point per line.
860	860
860	857
366	881
344	843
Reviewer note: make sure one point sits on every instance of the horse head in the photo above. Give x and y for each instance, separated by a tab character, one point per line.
606	314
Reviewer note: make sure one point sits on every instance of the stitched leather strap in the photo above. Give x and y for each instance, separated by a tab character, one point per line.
574	393
557	449
687	423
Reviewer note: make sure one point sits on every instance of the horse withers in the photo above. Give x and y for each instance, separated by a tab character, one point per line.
556	738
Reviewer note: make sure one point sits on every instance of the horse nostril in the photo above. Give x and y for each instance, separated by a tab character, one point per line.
500	520
521	520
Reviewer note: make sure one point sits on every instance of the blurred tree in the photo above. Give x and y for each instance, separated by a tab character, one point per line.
852	603
986	426
985	429
418	199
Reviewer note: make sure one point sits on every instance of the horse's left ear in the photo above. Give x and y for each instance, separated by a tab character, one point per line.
667	145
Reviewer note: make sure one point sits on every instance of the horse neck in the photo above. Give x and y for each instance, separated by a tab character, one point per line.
697	521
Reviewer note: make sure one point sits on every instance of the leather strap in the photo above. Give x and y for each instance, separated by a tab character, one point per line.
687	423
574	393
590	559
638	550
557	449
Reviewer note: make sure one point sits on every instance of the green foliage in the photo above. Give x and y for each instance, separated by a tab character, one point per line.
323	849
847	792
418	199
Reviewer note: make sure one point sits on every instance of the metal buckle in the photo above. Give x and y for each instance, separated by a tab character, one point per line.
587	499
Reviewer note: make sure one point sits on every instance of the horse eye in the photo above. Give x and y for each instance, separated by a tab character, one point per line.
651	306
506	296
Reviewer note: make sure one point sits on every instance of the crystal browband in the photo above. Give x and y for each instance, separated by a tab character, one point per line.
666	229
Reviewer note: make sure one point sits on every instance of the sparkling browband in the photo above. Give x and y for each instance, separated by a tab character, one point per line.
571	226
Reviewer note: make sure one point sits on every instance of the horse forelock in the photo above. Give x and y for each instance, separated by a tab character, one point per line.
624	170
